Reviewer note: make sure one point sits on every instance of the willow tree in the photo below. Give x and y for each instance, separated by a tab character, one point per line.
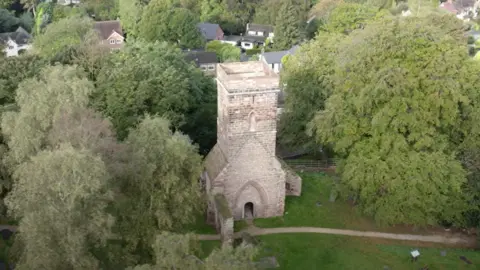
162	190
404	100
41	100
61	198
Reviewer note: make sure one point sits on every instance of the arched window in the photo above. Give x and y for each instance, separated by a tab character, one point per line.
252	122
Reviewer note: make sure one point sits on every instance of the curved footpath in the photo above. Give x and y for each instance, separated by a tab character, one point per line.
453	240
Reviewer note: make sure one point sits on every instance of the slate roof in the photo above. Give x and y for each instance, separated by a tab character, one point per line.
259	28
200	57
215	162
106	28
276	57
449	7
20	36
253	39
208	30
461	4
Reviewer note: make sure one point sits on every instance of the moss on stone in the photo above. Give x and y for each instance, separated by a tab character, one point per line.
222	206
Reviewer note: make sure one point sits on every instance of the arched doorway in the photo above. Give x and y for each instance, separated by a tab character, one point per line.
248	211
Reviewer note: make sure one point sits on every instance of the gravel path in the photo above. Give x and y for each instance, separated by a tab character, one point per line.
453	240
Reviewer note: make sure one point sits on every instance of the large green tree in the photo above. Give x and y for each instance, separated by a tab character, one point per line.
288	26
130	12
162	21
13	70
231	15
307	79
346	17
60	37
61	198
162	190
72	40
398	116
103	10
155	78
41	100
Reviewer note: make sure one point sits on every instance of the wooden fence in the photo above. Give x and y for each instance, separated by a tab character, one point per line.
311	165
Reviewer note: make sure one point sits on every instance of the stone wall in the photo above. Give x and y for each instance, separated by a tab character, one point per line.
293	182
224	219
256	176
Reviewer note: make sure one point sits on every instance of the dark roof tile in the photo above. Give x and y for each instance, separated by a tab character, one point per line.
106	28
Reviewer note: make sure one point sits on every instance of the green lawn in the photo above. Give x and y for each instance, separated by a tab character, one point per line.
303	211
199	226
331	252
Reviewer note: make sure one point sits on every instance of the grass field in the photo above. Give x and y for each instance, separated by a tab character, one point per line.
331	252
303	211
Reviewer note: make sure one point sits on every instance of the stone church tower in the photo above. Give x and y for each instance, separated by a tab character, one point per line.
243	177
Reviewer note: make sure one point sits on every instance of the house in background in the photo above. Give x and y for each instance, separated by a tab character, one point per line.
110	33
463	9
274	59
259	30
206	61
15	42
68	2
211	31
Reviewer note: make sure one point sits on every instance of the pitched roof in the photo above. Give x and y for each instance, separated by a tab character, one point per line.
462	4
208	30
215	162
20	36
449	7
106	28
259	27
200	57
254	39
276	57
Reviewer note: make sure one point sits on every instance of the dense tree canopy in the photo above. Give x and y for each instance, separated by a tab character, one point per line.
14	70
162	191
103	10
347	17
308	84
41	100
60	197
163	22
153	78
288	27
60	37
399	113
130	13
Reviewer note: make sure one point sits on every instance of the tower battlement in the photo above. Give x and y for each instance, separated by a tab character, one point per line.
247	77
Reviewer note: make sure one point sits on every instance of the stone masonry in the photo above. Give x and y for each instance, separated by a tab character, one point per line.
243	166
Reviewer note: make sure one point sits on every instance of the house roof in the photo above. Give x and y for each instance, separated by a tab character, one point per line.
259	27
253	39
200	57
462	4
106	28
449	7
208	30
215	162
20	36
276	57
